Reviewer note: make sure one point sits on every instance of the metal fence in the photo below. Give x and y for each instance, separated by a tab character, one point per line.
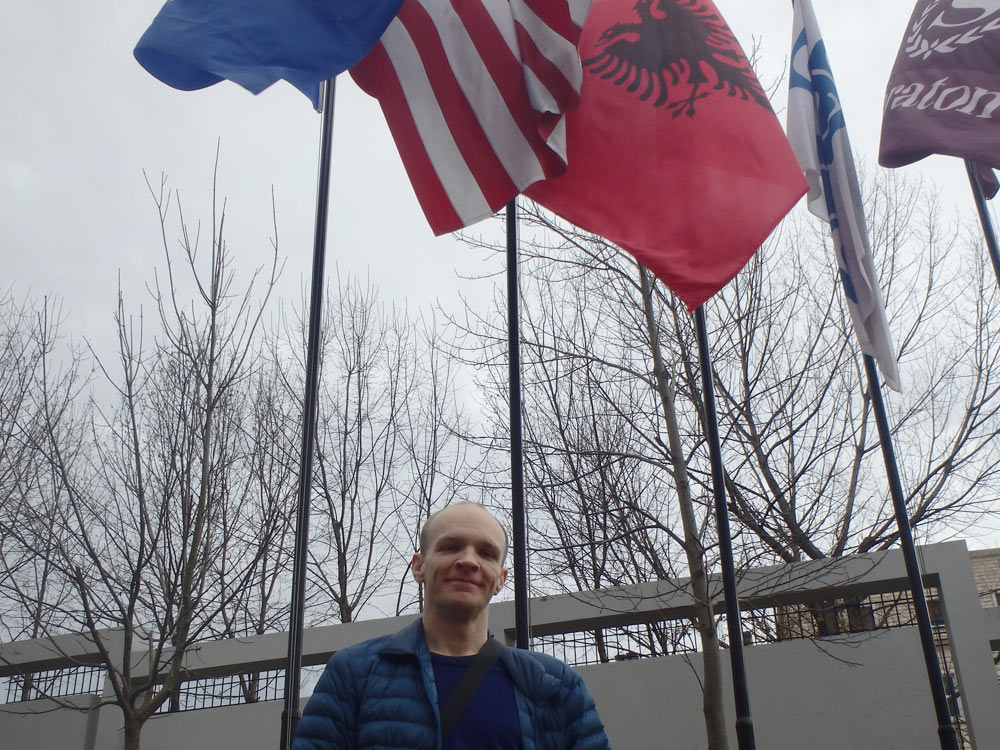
231	690
604	645
213	692
770	624
819	618
53	683
209	692
835	616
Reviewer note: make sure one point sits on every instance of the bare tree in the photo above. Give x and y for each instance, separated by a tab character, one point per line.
150	532
162	516
39	378
387	447
267	490
804	471
442	464
366	379
613	404
608	448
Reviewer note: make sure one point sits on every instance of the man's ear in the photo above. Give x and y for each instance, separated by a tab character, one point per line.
417	566
503	580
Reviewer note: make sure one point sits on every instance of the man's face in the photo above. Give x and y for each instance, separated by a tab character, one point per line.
462	568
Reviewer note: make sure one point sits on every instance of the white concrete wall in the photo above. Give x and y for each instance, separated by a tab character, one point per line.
41	724
246	727
830	695
842	693
864	691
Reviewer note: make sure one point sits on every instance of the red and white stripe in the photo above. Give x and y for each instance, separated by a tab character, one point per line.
474	92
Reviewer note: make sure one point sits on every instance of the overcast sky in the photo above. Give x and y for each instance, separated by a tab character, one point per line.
82	121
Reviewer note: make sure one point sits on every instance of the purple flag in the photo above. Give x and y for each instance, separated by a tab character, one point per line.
943	96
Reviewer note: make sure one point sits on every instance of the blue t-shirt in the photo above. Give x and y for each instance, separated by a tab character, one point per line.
489	721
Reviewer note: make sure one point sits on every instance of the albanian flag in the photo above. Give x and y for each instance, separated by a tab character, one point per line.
674	152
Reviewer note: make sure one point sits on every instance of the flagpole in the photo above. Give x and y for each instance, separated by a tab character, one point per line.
290	714
984	218
518	516
946	730
741	692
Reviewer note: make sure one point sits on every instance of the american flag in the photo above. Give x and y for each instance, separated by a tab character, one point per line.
474	92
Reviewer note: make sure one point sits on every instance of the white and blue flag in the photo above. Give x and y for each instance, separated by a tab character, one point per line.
818	134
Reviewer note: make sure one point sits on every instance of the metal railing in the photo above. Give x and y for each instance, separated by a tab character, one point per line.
211	692
819	618
230	690
53	683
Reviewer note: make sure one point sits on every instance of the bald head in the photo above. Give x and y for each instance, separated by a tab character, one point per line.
437	522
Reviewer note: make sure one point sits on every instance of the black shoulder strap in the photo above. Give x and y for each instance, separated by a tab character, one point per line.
468	684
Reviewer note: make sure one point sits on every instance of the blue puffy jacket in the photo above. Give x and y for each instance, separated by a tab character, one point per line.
380	694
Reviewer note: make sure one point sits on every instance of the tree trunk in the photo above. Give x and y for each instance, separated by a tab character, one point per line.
133	731
715	718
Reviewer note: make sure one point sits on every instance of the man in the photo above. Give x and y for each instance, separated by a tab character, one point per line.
388	692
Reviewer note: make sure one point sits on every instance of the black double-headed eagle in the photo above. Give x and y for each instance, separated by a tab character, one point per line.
675	43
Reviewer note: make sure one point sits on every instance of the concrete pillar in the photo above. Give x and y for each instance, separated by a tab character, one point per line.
969	638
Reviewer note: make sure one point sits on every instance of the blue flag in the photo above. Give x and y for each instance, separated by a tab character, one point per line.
192	44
